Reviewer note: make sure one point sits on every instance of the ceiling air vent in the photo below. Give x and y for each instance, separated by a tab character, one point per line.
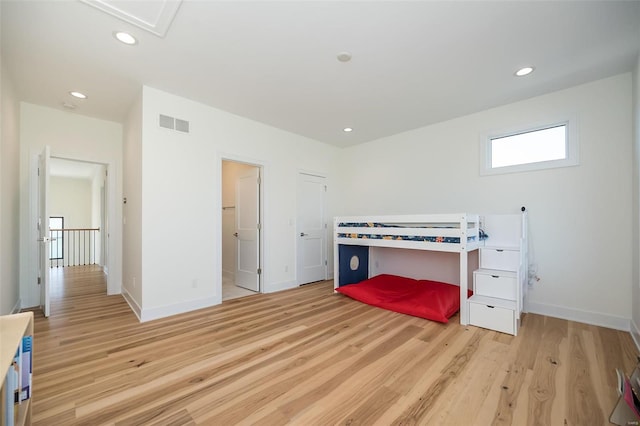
173	123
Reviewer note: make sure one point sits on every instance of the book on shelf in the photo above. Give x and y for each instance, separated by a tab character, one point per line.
26	367
16	366
7	405
12	390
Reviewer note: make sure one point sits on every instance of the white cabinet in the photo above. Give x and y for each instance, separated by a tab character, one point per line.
499	284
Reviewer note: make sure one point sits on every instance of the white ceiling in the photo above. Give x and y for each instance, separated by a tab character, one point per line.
414	63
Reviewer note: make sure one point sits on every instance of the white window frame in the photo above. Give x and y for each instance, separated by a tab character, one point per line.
572	158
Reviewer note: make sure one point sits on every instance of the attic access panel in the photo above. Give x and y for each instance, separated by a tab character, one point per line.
153	16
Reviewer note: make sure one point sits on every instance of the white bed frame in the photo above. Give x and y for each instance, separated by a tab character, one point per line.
457	225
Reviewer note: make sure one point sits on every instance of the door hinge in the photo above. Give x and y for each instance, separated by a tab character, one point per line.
39	280
259	227
38	171
259	180
259	271
325	263
325	188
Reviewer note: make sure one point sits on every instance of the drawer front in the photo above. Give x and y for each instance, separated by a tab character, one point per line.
495	286
493	318
505	260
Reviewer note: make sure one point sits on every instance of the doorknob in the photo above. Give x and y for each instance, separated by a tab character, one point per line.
302	234
235	234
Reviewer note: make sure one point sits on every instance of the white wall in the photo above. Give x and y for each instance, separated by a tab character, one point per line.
635	290
132	209
9	197
580	217
71	198
181	195
75	137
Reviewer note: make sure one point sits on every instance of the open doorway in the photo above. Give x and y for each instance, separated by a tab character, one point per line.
76	221
241	229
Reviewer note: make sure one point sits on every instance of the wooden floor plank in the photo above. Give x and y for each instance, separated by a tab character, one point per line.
464	398
583	406
542	392
421	405
348	392
309	356
291	373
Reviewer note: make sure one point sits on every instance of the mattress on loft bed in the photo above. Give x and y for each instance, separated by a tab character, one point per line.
427	299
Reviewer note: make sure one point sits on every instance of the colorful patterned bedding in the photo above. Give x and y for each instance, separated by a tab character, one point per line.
379	236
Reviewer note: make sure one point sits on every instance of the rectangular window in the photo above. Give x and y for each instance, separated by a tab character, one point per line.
533	149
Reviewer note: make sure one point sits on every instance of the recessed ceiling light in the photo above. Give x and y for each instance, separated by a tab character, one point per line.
125	38
524	71
347	130
344	56
78	95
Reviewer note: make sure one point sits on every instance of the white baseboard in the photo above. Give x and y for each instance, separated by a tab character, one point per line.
16	308
285	285
635	334
169	310
593	318
178	308
132	303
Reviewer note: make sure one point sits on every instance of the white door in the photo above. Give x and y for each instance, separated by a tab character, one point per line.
311	229
248	229
43	230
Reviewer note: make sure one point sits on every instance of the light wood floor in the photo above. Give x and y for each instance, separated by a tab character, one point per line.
310	357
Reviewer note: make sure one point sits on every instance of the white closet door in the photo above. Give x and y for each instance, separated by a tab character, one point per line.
311	229
248	229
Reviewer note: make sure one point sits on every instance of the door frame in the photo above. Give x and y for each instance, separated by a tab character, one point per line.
113	266
264	167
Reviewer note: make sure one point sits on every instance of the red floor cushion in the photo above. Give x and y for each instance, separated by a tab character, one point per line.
432	300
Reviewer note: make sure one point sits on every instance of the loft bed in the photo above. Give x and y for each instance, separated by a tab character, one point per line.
453	233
